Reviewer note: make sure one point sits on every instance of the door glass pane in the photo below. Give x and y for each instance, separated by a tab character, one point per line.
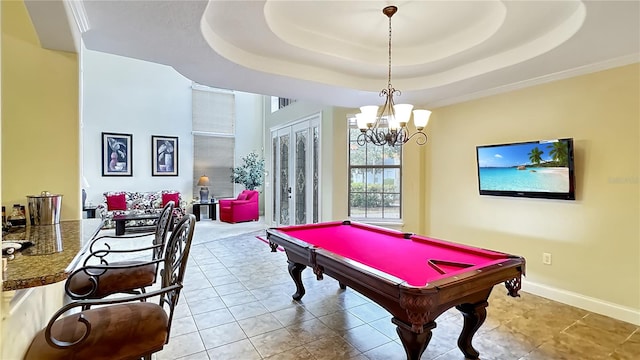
274	174
301	178
284	180
316	145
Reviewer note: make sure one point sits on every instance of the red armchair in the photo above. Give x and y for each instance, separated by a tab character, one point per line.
243	208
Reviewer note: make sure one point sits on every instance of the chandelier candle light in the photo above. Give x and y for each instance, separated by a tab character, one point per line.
389	126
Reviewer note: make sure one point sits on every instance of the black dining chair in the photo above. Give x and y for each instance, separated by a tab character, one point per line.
100	277
124	328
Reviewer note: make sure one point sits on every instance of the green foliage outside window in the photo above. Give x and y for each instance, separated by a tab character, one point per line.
372	194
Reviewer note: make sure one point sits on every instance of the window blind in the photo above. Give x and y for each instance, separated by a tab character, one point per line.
213	156
213	140
213	112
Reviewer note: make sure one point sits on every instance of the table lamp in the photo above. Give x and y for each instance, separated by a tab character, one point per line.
85	185
204	190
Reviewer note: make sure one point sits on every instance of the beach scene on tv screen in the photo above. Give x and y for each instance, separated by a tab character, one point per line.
542	167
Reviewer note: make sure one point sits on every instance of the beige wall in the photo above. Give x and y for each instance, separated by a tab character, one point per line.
336	170
40	121
414	186
595	240
40	151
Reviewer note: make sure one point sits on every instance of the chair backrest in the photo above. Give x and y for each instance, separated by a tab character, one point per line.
248	195
175	262
162	229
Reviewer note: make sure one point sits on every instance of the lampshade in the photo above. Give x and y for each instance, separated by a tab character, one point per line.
421	118
203	181
85	183
361	121
402	113
369	113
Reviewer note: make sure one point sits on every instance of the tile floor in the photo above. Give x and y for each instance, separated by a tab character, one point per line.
237	304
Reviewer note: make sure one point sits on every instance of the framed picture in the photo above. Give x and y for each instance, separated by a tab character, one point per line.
117	159
164	155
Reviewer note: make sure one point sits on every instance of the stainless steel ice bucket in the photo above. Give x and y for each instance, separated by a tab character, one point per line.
44	209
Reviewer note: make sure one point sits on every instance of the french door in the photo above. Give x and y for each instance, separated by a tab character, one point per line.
296	164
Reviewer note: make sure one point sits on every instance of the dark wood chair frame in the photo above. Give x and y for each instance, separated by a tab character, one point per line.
175	262
95	271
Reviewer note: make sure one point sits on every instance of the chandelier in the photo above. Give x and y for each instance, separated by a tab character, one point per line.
389	125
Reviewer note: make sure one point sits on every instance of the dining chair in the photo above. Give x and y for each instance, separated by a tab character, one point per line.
124	328
95	281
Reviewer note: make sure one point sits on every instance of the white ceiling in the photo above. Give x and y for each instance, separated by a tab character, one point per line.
335	52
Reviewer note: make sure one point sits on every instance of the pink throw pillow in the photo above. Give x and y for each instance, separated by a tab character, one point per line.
242	196
166	197
116	202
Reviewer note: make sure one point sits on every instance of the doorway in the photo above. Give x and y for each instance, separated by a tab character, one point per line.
296	165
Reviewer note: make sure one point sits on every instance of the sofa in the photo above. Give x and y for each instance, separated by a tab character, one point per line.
243	208
134	202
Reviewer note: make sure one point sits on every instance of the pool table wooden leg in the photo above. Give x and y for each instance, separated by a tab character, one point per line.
414	344
273	246
474	316
295	270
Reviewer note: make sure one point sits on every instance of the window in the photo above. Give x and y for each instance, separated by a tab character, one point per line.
283	102
375	179
279	103
213	139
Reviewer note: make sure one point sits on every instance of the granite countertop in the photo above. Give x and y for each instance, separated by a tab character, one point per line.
55	252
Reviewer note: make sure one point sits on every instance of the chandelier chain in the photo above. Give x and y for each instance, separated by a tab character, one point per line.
384	127
389	78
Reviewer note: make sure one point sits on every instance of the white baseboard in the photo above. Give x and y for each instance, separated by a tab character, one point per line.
598	306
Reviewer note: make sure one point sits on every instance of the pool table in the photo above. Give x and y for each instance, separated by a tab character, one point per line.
413	277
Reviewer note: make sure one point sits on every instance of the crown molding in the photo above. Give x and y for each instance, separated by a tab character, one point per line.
79	15
582	70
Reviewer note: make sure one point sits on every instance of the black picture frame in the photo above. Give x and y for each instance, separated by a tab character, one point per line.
117	154
164	155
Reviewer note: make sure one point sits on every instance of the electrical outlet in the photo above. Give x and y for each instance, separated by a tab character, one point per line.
546	258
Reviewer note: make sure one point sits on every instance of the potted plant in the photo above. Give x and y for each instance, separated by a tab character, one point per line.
251	173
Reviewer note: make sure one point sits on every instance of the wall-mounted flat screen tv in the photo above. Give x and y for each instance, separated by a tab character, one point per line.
536	169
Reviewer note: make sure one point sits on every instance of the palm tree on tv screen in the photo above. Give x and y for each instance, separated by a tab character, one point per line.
535	155
560	153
